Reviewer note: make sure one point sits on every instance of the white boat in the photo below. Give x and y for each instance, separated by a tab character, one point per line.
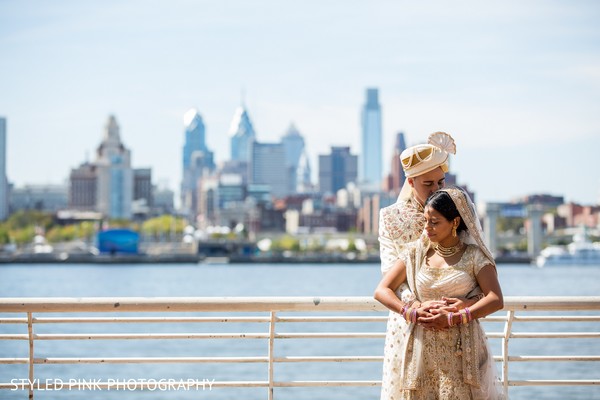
580	252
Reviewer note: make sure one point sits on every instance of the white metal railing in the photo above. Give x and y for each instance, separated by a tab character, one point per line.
272	312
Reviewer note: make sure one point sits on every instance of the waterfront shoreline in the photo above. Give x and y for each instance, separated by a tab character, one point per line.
52	258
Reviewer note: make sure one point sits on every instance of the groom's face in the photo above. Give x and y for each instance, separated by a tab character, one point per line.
424	185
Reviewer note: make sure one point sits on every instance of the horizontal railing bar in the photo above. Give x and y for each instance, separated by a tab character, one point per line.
14	336
13	321
189	304
554	382
140	385
288	359
147	336
554	335
326	383
331	335
332	319
56	320
182	336
545	335
149	360
227	384
294	359
256	304
82	336
294	335
490	318
15	360
83	320
144	384
132	384
158	360
551	303
543	318
538	318
553	358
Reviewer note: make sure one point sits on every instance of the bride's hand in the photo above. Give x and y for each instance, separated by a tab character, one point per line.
435	322
433	304
457	302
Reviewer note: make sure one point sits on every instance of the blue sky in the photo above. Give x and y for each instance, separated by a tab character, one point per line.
516	83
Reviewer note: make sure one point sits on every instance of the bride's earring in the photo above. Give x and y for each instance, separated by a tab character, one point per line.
453	231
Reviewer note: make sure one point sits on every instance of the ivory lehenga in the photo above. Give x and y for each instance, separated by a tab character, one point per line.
448	364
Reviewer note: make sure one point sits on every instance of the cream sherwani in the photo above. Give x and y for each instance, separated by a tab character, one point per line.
399	224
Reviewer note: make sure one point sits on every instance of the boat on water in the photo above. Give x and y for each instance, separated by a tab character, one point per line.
579	252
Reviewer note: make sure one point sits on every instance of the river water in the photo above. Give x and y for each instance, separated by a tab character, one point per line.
56	280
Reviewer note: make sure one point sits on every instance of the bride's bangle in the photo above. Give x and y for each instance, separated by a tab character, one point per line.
403	311
468	313
413	316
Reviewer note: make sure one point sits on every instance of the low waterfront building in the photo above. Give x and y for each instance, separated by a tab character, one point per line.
48	198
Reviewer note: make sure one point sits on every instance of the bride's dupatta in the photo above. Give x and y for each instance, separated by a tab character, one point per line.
413	345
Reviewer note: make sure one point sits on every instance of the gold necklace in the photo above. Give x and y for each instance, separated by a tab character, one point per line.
447	251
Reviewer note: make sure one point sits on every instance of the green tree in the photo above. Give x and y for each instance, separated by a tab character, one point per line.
162	226
286	242
351	245
60	233
119	223
4	235
23	235
26	218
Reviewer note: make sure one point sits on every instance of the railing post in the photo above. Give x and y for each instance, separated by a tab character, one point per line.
31	358
507	332
271	351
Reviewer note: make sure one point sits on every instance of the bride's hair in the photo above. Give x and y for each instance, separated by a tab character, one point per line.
441	202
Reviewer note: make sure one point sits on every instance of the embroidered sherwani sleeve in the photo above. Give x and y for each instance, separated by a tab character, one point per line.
388	251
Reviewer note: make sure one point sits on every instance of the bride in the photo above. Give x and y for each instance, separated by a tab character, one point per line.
445	354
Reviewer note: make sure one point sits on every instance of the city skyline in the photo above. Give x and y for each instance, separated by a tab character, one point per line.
515	84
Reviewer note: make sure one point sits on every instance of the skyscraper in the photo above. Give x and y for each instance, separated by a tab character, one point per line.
396	178
83	187
195	136
304	175
370	160
336	170
267	167
242	135
197	160
293	144
114	174
142	185
3	177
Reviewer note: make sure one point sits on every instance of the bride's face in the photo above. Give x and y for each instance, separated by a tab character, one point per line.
437	227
